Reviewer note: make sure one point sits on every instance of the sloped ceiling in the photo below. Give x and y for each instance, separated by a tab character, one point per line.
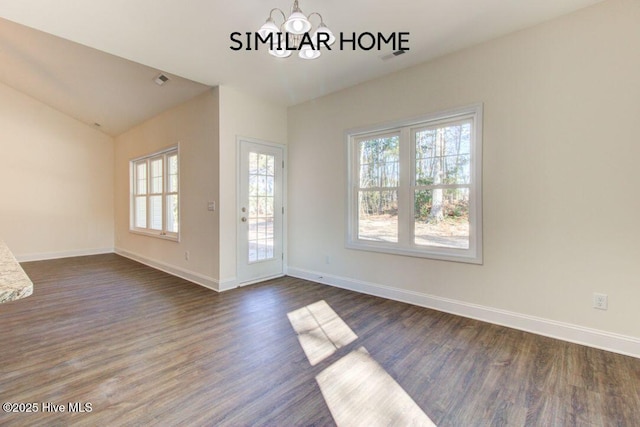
100	66
99	89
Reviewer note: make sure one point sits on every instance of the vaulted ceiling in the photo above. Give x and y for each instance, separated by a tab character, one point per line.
96	60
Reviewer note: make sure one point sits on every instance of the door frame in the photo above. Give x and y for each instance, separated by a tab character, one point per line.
285	159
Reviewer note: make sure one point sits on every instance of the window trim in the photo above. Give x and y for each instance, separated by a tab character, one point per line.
147	158
406	245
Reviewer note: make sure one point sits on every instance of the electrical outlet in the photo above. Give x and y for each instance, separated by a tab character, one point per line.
186	255
600	301
327	259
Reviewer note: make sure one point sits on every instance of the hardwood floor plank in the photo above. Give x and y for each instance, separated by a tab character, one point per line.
146	348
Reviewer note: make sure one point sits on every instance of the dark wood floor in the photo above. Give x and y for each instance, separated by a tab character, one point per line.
146	348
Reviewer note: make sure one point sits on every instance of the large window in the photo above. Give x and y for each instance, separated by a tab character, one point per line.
415	187
154	194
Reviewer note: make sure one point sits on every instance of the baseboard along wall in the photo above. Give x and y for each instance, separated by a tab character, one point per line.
603	340
197	278
42	256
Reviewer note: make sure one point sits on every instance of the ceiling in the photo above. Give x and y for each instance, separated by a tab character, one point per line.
100	66
102	90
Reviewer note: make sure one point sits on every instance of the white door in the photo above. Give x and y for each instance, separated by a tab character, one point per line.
260	211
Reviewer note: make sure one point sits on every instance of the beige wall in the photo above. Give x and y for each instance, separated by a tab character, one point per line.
561	199
206	128
194	125
240	115
56	197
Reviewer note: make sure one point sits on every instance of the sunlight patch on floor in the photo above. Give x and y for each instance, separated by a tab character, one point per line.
320	331
359	392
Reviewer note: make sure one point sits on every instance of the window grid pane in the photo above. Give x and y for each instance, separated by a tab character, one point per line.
141	178
443	155
379	162
378	216
155	212
172	213
172	173
156	176
140	212
441	218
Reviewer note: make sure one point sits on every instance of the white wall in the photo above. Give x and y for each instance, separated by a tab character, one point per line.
240	115
56	197
561	199
194	125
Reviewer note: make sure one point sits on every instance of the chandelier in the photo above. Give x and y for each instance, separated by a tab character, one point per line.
293	34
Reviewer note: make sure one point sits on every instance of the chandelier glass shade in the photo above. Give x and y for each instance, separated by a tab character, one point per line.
306	52
293	30
268	27
297	23
322	29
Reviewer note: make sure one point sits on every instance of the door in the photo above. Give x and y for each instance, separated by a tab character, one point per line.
260	211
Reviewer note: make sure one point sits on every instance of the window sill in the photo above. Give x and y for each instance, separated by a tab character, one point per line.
157	234
441	254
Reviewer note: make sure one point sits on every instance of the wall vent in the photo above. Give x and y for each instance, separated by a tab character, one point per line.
161	79
392	55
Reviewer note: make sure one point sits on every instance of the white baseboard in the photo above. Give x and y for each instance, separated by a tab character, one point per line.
64	254
197	278
227	284
616	343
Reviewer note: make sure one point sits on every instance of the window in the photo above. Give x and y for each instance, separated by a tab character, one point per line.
154	194
415	187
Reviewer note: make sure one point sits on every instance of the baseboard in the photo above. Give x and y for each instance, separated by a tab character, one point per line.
227	284
197	278
63	254
616	343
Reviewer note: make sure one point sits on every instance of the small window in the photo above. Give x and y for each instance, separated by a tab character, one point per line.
415	187
154	194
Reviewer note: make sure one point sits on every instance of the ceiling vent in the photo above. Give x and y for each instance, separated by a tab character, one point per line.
392	55
161	79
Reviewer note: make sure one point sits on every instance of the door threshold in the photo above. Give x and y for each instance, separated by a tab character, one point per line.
261	279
